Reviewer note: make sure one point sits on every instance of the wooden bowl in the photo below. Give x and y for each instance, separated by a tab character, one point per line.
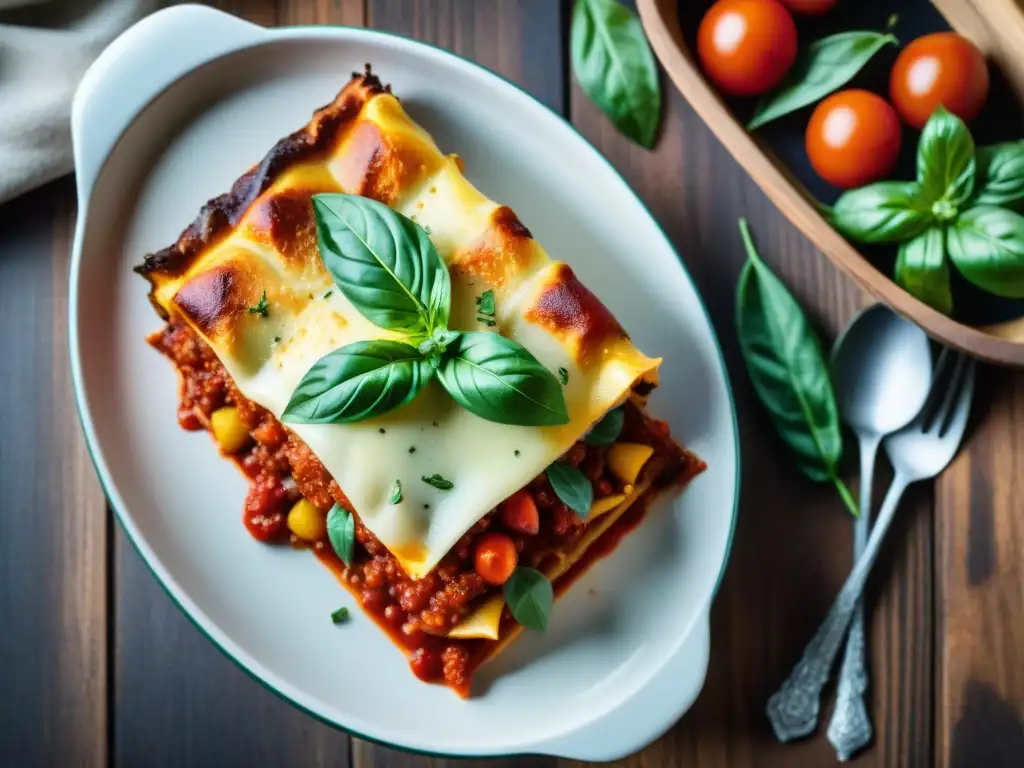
996	26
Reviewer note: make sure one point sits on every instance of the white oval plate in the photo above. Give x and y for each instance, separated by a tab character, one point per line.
158	129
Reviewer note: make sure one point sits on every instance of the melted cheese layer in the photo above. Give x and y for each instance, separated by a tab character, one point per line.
364	143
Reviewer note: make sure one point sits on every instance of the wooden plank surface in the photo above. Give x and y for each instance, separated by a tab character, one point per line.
98	665
53	525
980	586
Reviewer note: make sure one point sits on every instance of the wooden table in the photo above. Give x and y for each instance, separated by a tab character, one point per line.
97	665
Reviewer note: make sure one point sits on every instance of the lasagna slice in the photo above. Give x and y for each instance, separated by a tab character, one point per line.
441	503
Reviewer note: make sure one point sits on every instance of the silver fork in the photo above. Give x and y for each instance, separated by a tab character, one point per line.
919	451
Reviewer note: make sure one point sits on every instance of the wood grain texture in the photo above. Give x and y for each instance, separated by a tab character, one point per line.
792	548
980	572
178	701
53	694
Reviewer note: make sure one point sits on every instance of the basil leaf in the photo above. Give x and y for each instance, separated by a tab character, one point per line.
987	245
922	270
499	380
788	371
608	429
382	261
614	63
572	487
341	530
440	302
945	163
358	381
825	66
999	175
530	597
886	212
441	483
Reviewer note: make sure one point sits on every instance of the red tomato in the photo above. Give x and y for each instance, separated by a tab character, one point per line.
496	557
944	68
519	513
853	138
746	47
810	7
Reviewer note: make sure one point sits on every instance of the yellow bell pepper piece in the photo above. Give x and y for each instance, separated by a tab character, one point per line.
229	431
307	522
627	459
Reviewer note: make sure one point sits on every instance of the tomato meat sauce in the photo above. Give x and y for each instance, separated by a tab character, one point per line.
416	613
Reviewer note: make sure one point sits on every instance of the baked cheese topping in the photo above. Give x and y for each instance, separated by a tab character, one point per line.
261	241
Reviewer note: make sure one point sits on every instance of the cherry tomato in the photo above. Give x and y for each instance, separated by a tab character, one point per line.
853	138
519	513
746	47
810	7
943	68
496	557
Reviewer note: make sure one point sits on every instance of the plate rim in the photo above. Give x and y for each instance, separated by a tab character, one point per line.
84	416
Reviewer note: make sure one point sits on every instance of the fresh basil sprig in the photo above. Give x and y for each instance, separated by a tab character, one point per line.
922	270
387	267
788	371
530	597
826	65
341	530
614	63
999	176
960	206
987	245
572	487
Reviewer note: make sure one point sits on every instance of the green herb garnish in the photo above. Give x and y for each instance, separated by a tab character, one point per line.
328	294
563	375
530	597
788	371
396	493
341	530
572	487
439	482
387	267
608	429
262	308
340	616
485	303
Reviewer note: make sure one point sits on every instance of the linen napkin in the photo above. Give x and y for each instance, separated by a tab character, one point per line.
45	48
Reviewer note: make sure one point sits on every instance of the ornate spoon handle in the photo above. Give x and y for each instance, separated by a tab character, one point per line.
793	709
849	730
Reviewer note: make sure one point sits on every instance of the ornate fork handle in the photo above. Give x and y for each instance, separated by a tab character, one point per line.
793	709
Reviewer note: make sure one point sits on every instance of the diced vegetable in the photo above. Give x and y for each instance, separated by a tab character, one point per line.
231	434
627	459
519	513
496	557
307	522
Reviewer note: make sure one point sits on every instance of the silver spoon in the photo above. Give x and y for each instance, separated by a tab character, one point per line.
882	368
